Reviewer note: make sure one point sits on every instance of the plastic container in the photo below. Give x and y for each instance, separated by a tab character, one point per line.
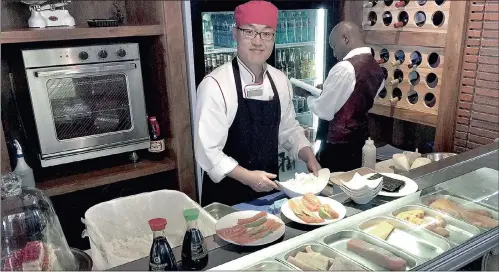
31	235
22	168
119	233
369	154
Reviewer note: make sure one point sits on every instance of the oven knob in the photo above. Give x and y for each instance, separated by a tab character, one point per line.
121	52
102	54
83	55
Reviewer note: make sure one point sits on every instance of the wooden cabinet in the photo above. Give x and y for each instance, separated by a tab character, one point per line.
157	27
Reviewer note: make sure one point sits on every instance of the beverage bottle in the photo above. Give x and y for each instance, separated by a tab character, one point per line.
384	56
399	58
416	60
306	27
298	65
369	154
401	3
403	18
291	63
312	64
312	27
157	142
298	27
207	31
398	76
370	3
194	250
284	31
216	36
279	29
161	256
291	27
22	168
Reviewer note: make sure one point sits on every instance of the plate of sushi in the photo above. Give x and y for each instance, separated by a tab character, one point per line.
313	210
394	185
250	228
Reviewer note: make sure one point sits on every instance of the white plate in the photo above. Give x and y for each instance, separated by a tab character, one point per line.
408	188
230	220
335	205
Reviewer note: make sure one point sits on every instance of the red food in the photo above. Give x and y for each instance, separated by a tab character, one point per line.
377	255
13	262
251	219
229	233
311	202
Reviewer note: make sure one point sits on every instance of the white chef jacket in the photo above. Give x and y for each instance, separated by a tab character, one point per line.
337	87
216	109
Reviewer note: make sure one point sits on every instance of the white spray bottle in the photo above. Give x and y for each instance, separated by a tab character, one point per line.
22	168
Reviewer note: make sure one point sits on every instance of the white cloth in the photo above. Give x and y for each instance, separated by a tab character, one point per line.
337	87
216	109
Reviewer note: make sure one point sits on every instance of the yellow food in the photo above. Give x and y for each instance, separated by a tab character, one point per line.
381	230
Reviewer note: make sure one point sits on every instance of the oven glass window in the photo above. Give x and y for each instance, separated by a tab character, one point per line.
90	105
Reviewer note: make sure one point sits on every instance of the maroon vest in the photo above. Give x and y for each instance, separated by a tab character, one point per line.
350	122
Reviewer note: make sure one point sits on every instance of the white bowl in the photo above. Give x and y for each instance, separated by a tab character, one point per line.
362	200
364	191
322	182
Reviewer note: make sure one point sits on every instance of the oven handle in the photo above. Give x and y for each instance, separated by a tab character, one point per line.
97	69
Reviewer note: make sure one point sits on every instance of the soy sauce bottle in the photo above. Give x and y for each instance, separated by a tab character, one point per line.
161	257
194	251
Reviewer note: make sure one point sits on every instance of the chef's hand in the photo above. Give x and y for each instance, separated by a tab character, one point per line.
301	92
260	181
314	166
307	155
319	86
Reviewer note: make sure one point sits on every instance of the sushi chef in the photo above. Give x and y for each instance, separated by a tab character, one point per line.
244	112
348	94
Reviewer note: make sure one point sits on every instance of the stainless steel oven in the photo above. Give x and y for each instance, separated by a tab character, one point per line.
87	101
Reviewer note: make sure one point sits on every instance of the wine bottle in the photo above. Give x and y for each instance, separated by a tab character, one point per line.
388	2
420	18
403	18
385	72
416	60
421	2
399	58
371	19
384	55
401	3
387	18
396	96
370	3
398	76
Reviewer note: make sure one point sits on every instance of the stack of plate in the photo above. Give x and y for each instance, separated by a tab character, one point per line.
361	190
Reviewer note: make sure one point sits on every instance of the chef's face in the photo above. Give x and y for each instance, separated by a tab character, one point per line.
254	43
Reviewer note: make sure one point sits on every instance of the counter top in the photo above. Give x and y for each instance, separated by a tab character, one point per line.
221	252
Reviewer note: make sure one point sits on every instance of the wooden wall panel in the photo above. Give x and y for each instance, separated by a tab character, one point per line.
474	117
178	96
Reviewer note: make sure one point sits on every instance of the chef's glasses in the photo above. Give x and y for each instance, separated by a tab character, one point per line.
250	33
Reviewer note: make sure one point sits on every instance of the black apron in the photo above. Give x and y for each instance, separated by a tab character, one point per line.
252	141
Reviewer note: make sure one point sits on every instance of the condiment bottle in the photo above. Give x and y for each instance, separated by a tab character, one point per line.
161	257
369	154
22	168
194	251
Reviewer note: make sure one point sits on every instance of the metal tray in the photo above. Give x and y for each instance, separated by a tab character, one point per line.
465	203
339	241
416	241
459	231
322	249
219	210
269	265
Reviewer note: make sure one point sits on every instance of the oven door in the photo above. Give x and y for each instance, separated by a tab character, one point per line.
84	108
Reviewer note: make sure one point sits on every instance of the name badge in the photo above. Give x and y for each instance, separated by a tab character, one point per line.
255	90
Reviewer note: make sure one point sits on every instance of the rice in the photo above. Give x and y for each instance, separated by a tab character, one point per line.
302	183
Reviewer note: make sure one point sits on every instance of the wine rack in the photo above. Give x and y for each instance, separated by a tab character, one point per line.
422	16
419	89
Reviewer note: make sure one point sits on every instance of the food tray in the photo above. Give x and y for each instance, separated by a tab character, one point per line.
219	210
339	241
269	265
416	241
459	231
324	250
465	203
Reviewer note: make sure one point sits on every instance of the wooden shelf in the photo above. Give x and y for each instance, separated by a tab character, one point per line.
425	118
72	183
26	35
